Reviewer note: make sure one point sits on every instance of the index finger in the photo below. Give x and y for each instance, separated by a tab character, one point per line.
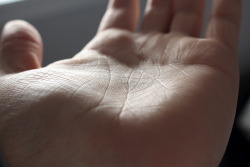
224	24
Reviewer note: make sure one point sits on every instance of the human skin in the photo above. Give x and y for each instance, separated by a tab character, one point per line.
159	97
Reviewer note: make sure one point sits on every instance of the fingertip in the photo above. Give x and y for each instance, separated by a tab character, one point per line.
21	46
15	26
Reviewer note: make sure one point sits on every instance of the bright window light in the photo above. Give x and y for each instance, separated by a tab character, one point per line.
5	2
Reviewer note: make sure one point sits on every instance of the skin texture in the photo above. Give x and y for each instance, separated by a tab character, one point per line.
159	97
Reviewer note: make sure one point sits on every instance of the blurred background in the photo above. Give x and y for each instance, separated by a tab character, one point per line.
67	25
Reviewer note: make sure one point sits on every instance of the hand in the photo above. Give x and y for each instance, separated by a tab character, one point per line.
160	97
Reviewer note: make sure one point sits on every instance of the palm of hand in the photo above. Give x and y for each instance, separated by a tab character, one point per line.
150	99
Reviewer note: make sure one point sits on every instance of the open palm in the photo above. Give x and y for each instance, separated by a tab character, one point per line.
160	97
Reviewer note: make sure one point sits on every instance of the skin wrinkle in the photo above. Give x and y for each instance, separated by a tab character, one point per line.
155	78
137	83
26	86
192	49
144	88
40	152
108	85
181	71
127	96
133	77
197	63
79	88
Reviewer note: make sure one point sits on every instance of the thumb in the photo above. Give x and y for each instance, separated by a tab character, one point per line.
21	47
